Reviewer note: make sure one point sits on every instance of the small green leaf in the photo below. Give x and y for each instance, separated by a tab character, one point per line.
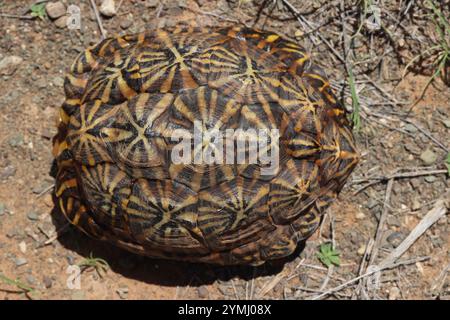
328	255
38	10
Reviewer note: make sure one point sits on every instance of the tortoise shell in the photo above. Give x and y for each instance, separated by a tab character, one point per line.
127	96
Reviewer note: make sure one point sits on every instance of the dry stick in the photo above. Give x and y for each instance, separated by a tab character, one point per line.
379	233
15	16
410	174
439	282
235	290
438	211
362	266
99	21
333	244
430	218
269	285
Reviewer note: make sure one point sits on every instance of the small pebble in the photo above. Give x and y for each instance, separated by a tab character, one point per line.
55	9
20	262
202	292
123	292
416	205
395	238
7	172
61	22
360	216
394	293
126	23
47	282
108	8
48	200
410	128
430	179
361	250
58	81
33	216
16	141
428	157
31	280
446	123
23	247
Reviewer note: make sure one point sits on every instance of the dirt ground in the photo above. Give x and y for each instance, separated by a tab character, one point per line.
390	139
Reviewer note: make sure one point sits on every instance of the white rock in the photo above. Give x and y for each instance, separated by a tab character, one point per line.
23	247
108	8
55	9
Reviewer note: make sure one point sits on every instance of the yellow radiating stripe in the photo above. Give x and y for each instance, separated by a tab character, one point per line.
272	38
122	42
77	82
126	91
167	84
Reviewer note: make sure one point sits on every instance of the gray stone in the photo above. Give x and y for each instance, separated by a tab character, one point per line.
395	238
446	123
58	81
202	292
126	23
41	188
430	179
372	203
41	83
410	128
33	215
20	262
7	172
428	157
31	280
16	141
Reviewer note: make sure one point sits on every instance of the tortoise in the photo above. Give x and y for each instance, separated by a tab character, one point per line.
127	96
